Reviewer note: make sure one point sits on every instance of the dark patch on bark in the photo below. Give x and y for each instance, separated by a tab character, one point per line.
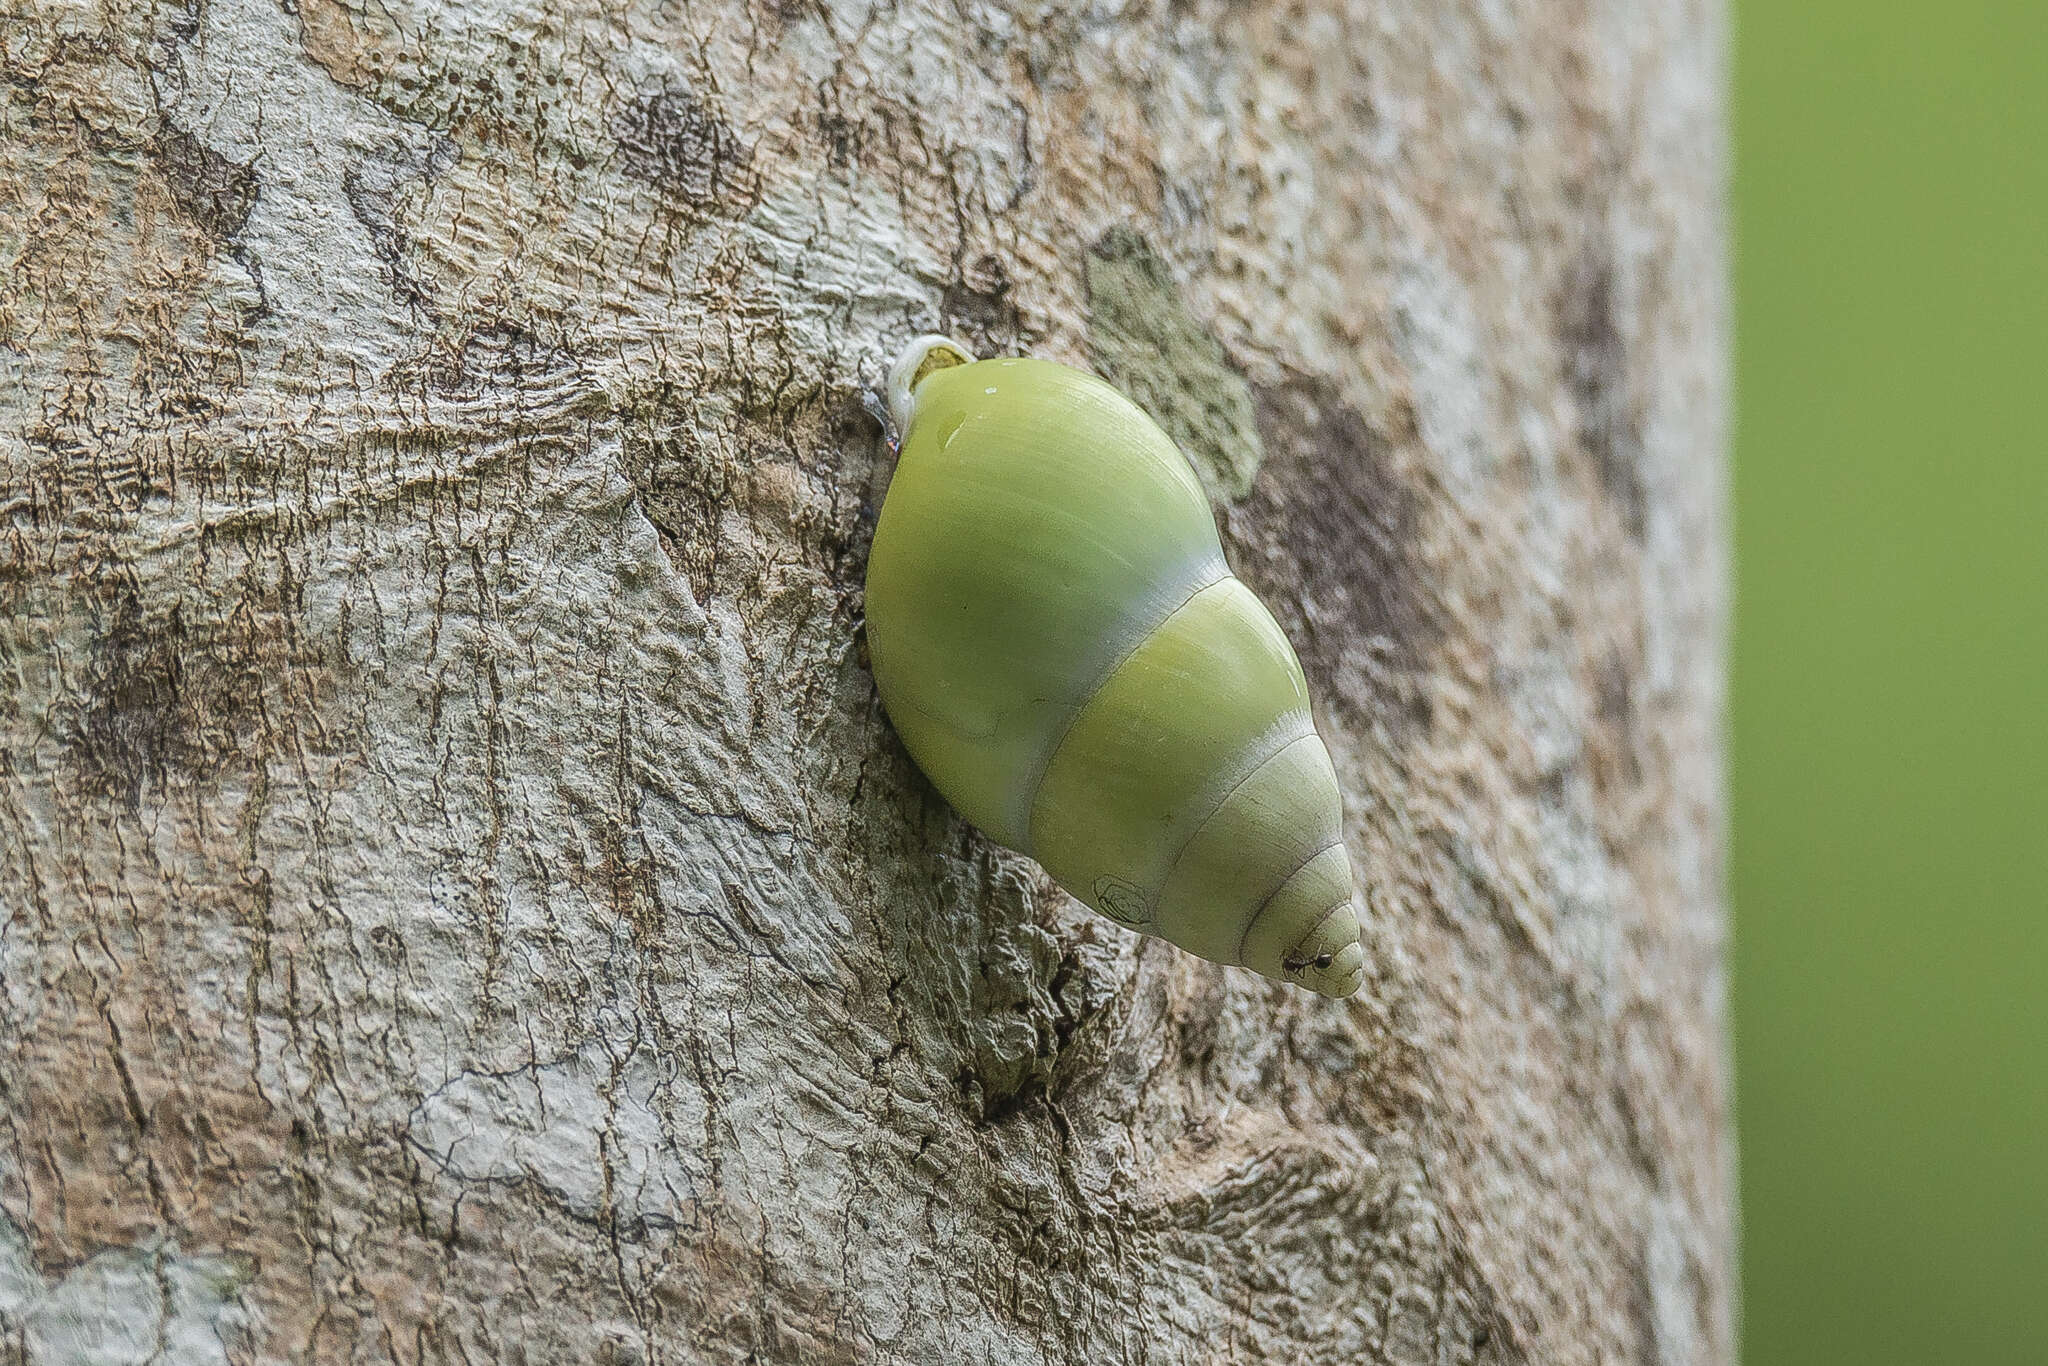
72	473
977	306
1642	1305
1597	361
497	355
213	192
160	697
1330	537
673	142
1616	755
796	462
184	20
372	186
852	437
843	134
126	733
1029	1002
683	488
1378	1239
1613	699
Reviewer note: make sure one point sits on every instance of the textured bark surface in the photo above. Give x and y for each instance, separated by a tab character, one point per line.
460	900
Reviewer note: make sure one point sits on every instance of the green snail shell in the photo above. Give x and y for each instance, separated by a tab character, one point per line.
1066	655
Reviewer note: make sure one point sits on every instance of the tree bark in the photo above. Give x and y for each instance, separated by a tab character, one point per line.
460	898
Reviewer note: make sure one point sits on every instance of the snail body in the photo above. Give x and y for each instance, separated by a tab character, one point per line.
1058	640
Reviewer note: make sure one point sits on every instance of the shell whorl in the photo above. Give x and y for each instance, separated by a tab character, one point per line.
1067	655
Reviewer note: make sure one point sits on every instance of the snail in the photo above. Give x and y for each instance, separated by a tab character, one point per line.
1066	655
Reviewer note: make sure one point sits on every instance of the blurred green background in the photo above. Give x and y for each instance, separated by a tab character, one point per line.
1890	779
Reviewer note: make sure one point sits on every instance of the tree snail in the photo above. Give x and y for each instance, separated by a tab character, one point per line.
1066	655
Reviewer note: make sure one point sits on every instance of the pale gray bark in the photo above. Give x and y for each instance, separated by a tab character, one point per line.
460	900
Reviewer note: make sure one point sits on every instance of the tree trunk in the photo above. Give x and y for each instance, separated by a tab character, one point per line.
460	898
